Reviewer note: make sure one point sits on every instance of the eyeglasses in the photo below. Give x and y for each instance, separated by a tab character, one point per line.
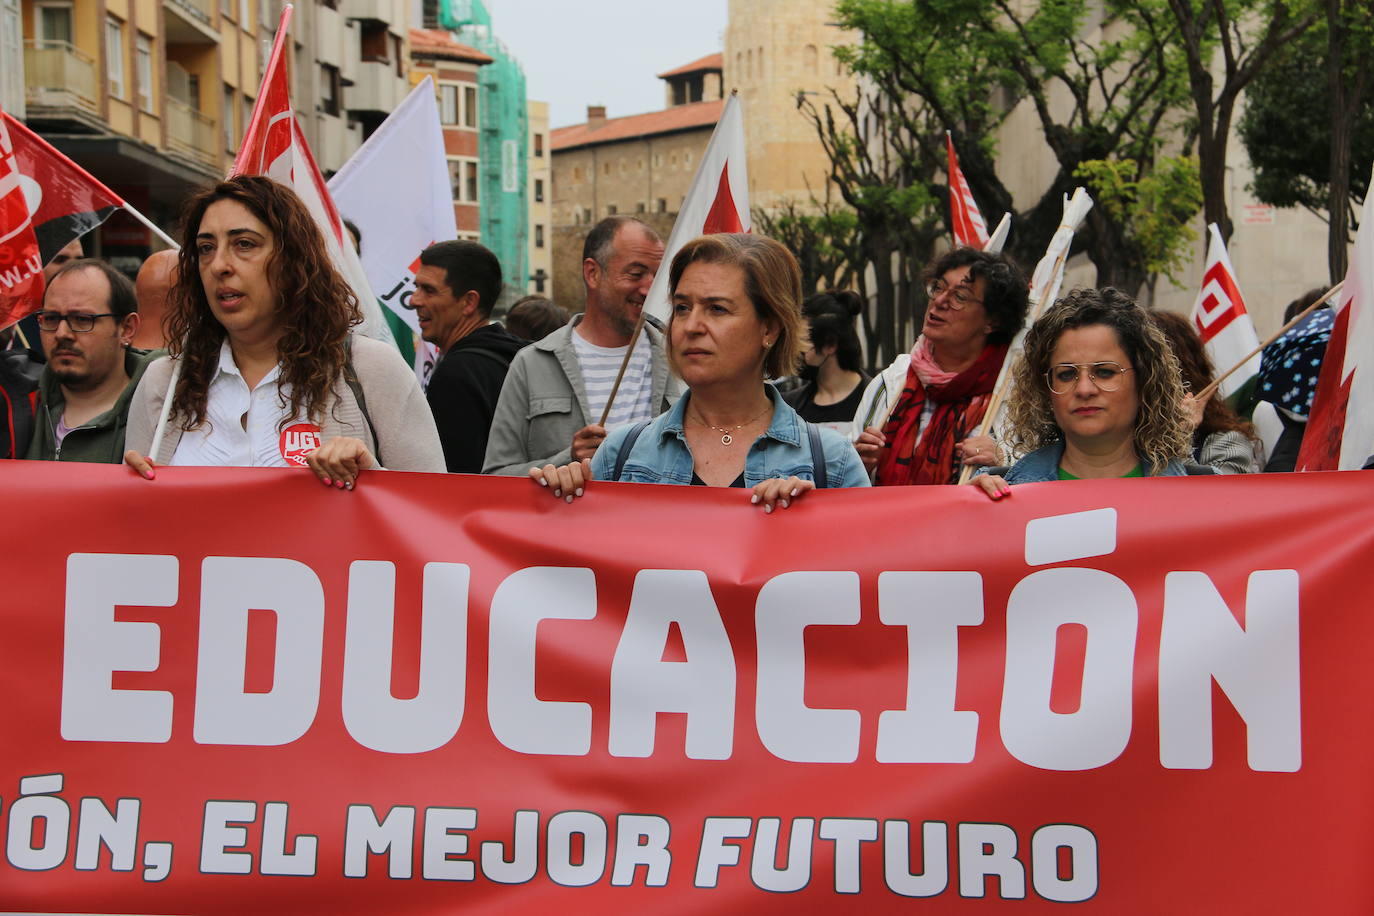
77	321
1105	375
959	296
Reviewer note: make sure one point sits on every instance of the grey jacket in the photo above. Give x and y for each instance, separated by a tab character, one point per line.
544	402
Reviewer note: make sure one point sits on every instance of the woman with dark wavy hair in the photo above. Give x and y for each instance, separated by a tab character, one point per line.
259	325
1097	394
1221	439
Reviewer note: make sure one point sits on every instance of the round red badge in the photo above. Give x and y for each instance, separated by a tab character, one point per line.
297	441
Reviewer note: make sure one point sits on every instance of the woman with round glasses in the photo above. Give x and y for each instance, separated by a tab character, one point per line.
1097	394
259	321
917	415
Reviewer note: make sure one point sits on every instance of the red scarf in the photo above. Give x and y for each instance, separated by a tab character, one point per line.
960	402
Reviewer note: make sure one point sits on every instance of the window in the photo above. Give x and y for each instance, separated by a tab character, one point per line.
247	115
577	173
611	210
114	56
226	8
331	89
448	104
469	106
265	14
662	205
639	207
143	58
539	145
227	118
470	181
374	43
538	235
397	56
243	15
539	190
52	22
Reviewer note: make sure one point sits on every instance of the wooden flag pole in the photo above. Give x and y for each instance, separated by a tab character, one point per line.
629	352
1207	392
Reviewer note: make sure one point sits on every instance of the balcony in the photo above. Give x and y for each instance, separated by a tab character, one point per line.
190	21
377	88
61	81
191	133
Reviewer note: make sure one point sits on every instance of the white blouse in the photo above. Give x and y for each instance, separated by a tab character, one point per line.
244	428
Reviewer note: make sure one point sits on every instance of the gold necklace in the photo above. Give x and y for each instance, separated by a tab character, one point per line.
725	437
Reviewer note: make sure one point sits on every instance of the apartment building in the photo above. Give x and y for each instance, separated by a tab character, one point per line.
153	96
540	171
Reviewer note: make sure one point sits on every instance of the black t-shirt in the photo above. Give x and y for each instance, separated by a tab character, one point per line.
802	401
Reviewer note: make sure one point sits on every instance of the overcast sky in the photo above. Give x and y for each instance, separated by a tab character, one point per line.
604	52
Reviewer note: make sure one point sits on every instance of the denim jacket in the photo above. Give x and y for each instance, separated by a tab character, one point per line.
661	455
1042	465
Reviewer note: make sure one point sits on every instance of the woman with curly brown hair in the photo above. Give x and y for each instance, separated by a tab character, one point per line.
1221	439
259	324
1097	394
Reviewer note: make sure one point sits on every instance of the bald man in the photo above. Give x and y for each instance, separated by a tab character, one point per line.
155	278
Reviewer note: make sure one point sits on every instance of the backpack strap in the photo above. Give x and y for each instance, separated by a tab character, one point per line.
626	447
356	386
818	472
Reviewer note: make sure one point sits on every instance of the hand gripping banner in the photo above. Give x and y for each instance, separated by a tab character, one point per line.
232	691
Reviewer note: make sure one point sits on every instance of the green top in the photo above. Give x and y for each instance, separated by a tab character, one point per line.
1137	471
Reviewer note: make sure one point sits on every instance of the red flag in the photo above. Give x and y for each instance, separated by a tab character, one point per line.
65	200
1340	427
967	221
274	146
21	266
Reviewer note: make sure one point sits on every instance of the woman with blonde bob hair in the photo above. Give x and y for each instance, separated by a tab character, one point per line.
1097	394
259	322
736	320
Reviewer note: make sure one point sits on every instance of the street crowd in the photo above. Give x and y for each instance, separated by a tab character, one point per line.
237	350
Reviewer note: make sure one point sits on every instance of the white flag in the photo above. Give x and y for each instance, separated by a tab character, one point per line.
1221	319
396	189
718	201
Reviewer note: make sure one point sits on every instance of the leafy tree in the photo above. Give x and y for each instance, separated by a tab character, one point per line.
1156	208
824	238
1244	35
1103	79
1311	142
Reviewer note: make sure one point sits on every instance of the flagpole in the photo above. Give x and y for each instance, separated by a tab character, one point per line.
1207	392
629	351
149	223
166	410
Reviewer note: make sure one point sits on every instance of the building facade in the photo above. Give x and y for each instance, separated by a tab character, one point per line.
454	66
541	201
641	165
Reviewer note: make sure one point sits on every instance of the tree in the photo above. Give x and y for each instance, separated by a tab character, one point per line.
824	238
878	175
1312	143
1103	79
1157	209
1246	34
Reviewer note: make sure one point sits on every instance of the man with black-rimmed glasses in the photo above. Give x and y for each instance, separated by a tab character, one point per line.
88	320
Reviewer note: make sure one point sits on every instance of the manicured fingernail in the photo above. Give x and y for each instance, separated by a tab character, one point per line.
578	491
349	485
783	503
1006	491
543	482
558	492
795	491
328	482
768	508
754	499
151	474
569	497
339	484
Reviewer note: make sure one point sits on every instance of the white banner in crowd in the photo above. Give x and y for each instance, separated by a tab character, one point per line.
396	190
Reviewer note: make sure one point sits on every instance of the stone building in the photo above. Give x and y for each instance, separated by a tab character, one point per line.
775	49
541	201
640	165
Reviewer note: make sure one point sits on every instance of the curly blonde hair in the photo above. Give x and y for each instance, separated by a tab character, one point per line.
1161	429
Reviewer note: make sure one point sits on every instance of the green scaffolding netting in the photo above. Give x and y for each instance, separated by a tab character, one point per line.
503	143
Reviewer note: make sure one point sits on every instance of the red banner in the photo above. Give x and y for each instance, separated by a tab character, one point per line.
233	691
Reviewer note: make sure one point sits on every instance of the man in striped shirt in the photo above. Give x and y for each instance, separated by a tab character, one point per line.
557	388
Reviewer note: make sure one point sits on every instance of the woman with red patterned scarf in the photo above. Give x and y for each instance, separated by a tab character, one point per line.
977	303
